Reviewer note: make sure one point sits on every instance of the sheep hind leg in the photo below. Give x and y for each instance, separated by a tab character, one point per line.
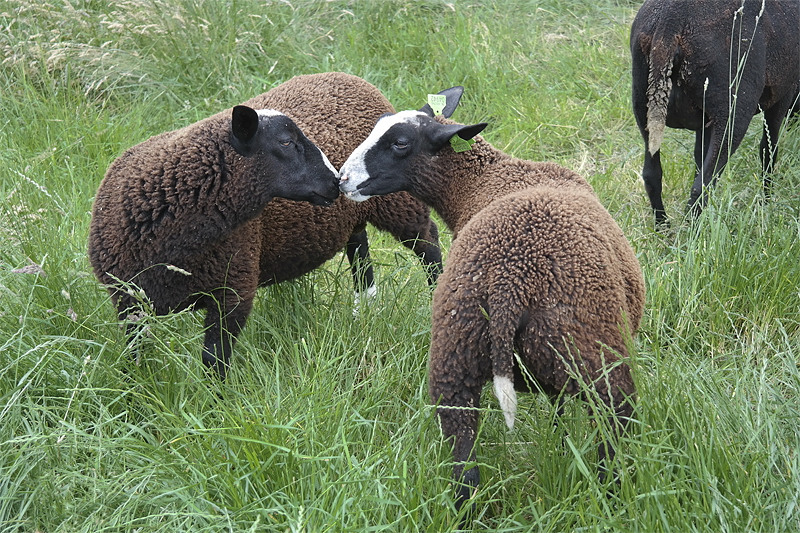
768	148
622	409
652	176
461	424
458	403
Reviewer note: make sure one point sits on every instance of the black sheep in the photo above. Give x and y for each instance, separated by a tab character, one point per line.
709	66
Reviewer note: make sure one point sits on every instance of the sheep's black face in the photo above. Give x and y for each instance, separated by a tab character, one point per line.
285	161
380	165
388	160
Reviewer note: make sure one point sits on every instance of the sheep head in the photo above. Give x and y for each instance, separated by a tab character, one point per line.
272	145
385	161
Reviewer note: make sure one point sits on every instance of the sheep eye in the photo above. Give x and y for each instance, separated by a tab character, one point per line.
286	142
400	144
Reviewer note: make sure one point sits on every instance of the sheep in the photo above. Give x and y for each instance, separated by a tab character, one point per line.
540	289
337	111
178	216
710	66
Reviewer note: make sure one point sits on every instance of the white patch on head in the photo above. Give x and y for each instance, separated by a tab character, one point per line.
507	396
327	162
269	113
354	171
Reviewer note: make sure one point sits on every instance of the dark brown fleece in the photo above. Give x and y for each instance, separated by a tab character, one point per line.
538	268
336	111
167	201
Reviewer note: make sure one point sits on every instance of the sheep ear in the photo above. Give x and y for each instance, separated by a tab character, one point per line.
444	133
244	124
452	95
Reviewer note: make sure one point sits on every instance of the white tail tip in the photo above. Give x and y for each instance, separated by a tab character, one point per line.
504	390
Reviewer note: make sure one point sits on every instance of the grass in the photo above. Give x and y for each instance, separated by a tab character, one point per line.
325	423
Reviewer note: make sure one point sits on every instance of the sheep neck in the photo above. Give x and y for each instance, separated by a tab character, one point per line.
453	183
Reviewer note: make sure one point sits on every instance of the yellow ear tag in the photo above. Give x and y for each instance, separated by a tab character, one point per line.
437	103
461	145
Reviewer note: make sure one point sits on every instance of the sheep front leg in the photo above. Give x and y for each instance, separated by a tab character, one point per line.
224	321
360	263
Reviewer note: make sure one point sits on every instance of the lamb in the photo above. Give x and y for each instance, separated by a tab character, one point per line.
540	290
178	216
710	66
337	111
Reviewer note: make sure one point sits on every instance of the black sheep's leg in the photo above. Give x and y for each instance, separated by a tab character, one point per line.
720	139
426	247
409	221
652	175
225	318
360	262
768	148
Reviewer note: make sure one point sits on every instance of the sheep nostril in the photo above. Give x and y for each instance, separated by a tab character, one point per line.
343	178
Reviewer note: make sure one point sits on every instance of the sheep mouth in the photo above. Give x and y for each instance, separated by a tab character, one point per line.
323	200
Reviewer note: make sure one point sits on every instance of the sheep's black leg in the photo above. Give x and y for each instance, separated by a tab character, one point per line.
427	249
222	328
652	175
360	262
768	148
719	140
414	228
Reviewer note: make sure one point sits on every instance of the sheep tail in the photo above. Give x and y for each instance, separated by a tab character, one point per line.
659	86
507	396
501	335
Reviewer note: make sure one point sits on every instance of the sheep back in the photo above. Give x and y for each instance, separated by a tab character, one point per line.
545	272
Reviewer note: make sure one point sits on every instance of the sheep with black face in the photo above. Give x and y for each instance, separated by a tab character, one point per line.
709	66
540	285
178	216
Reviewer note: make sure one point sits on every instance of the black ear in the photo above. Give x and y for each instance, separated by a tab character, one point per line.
244	124
453	95
444	132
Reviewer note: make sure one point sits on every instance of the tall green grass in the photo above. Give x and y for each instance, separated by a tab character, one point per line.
324	423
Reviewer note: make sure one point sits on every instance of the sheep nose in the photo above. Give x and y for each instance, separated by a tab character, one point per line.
343	178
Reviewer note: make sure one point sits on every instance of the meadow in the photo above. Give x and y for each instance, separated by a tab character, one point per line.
324	424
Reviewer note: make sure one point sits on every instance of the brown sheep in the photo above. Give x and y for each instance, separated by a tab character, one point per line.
538	273
709	66
337	111
177	216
